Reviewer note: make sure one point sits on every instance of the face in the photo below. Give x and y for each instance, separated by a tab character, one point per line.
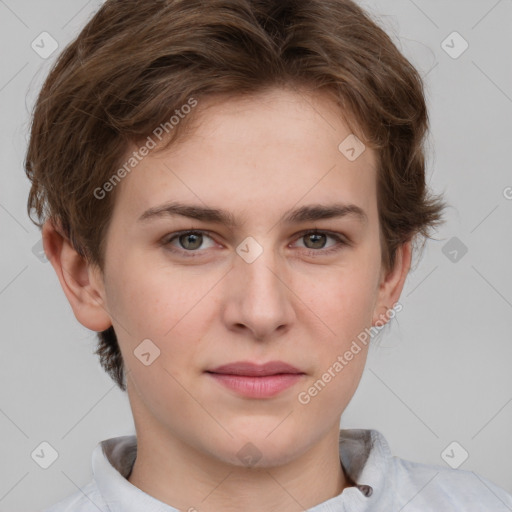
262	287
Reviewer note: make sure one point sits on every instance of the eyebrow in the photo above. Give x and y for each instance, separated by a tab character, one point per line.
307	213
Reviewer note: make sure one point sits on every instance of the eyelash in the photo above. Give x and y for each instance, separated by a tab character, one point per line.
341	242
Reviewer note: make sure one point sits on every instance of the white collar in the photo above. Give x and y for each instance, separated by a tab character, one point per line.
365	456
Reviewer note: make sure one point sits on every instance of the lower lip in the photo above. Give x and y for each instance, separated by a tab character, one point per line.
258	387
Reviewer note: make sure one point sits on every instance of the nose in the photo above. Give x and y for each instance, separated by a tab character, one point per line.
258	297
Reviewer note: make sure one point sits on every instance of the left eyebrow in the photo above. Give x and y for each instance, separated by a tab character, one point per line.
329	211
306	213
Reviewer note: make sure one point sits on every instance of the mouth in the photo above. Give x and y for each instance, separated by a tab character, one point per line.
252	380
249	369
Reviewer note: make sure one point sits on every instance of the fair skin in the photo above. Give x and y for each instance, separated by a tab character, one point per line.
255	158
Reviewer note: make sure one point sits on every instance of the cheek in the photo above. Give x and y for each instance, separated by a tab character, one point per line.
163	307
171	309
154	302
340	354
344	298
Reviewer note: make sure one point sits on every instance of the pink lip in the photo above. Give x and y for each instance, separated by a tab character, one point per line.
256	370
257	381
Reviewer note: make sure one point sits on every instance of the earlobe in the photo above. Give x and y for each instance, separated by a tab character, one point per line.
392	283
78	279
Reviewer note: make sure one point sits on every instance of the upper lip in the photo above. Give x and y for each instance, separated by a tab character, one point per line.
255	370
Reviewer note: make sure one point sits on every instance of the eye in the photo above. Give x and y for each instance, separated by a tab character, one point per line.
315	242
188	241
192	243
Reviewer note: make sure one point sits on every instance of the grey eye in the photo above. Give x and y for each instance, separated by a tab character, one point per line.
191	241
317	240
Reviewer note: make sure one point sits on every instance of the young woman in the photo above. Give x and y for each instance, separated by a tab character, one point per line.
230	194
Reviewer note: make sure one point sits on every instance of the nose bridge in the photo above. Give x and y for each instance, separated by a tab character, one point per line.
258	297
257	268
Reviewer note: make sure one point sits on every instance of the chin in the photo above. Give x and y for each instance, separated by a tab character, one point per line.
262	446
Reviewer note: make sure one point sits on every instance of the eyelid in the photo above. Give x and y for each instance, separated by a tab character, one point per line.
333	234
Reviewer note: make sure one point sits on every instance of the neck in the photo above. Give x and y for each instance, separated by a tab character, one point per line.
186	478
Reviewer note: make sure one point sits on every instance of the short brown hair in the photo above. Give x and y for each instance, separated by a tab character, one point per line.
135	63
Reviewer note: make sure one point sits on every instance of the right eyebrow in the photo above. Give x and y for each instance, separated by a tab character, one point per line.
191	211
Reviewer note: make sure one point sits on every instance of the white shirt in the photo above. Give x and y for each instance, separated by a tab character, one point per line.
384	483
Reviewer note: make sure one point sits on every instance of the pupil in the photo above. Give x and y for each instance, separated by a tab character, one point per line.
312	236
191	237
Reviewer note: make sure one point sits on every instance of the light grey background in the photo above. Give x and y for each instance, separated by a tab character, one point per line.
442	372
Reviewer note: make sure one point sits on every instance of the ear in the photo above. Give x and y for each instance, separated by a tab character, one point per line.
392	283
81	282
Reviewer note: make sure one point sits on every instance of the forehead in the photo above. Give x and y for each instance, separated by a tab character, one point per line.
275	149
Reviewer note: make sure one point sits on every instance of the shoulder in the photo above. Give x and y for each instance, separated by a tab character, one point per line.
88	499
435	487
